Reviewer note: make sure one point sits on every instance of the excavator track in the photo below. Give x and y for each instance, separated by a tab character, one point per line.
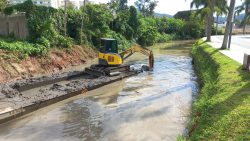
99	70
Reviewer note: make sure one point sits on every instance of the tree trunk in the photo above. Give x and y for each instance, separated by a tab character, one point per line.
81	30
65	18
210	20
229	24
206	25
84	2
245	18
217	18
244	28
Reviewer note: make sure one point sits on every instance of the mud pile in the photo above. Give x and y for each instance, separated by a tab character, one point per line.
29	94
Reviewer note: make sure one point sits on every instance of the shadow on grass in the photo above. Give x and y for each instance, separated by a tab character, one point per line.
231	116
222	112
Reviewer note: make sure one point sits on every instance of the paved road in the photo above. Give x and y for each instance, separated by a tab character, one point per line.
239	46
242	41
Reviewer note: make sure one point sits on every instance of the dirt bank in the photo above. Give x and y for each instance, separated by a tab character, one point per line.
58	59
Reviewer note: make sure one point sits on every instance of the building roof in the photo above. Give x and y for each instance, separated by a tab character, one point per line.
108	39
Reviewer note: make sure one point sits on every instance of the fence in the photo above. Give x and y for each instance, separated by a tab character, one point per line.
15	25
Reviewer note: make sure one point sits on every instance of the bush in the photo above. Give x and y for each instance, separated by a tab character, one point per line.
23	47
162	38
148	32
43	41
63	42
148	36
193	30
175	26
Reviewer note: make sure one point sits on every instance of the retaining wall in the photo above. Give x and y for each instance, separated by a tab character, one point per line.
14	25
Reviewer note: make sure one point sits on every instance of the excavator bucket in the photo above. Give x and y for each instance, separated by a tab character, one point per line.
151	60
136	48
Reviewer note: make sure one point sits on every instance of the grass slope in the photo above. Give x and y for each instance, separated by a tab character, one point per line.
222	110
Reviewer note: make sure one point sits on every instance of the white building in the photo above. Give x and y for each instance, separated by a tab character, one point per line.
53	3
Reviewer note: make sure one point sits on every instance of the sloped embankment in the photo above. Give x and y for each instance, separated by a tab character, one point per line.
222	110
57	59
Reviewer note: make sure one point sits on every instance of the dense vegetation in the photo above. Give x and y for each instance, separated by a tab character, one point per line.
2	4
94	21
222	109
22	47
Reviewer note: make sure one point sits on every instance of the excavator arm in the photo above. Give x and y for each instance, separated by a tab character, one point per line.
127	53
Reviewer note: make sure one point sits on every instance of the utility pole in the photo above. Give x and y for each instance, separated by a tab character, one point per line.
65	17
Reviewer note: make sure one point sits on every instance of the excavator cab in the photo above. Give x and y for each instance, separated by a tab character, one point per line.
109	45
108	55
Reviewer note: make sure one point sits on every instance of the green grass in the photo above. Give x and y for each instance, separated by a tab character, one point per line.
222	109
22	47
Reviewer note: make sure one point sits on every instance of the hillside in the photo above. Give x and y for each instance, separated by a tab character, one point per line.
163	15
222	19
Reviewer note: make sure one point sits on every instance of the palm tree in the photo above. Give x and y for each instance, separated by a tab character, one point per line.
229	24
244	7
203	11
220	9
209	5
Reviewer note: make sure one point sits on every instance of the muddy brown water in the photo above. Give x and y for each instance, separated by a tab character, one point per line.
151	106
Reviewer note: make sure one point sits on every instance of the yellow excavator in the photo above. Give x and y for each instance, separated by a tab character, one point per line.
111	62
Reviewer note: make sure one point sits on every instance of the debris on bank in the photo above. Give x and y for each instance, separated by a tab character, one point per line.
26	95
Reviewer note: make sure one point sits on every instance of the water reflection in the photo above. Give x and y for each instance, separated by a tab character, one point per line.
80	122
149	106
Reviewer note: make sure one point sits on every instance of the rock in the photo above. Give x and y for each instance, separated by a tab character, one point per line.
145	68
2	96
8	91
56	87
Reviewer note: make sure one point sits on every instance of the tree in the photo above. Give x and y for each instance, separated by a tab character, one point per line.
96	21
123	5
229	24
3	4
151	8
210	21
148	32
209	7
118	5
133	21
146	7
118	8
120	23
220	9
244	7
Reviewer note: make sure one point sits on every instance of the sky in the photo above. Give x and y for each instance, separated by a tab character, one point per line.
168	6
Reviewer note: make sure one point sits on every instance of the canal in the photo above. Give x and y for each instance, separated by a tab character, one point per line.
151	106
